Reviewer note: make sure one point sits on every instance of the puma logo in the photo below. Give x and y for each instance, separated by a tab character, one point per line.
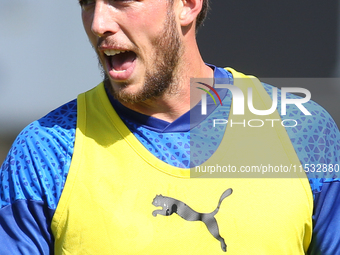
170	205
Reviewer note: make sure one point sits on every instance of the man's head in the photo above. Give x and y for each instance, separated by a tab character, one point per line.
141	43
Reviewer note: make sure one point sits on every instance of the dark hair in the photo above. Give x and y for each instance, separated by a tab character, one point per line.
202	15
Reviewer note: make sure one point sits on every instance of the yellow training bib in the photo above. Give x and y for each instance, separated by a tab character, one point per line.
120	199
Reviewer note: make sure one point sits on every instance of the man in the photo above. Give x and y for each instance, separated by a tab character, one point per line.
107	173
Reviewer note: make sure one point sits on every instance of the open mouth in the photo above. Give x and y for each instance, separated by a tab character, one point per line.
120	60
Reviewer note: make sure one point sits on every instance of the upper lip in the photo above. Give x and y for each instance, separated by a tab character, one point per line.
110	47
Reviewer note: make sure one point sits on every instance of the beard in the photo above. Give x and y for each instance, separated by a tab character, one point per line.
160	76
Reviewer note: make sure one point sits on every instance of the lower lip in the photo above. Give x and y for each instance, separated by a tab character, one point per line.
120	75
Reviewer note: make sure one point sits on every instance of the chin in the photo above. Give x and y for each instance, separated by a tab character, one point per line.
128	93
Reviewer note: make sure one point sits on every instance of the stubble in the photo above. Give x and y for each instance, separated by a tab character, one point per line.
162	74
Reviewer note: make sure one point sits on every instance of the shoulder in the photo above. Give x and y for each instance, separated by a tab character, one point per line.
38	161
316	127
316	140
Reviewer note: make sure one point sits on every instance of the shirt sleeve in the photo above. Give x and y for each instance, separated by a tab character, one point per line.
24	228
326	220
32	178
316	140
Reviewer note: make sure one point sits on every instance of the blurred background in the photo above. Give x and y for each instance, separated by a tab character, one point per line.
46	59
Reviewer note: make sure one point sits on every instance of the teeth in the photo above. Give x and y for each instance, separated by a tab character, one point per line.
113	52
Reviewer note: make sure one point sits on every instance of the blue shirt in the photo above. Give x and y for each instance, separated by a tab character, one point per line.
35	170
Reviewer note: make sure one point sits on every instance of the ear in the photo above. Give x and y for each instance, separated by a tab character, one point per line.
188	11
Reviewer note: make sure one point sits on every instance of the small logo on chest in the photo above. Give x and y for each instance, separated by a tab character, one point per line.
170	205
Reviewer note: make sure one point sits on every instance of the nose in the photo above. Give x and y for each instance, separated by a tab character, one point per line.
103	22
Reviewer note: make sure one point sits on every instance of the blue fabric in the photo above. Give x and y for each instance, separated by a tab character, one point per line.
316	139
326	220
35	170
24	230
